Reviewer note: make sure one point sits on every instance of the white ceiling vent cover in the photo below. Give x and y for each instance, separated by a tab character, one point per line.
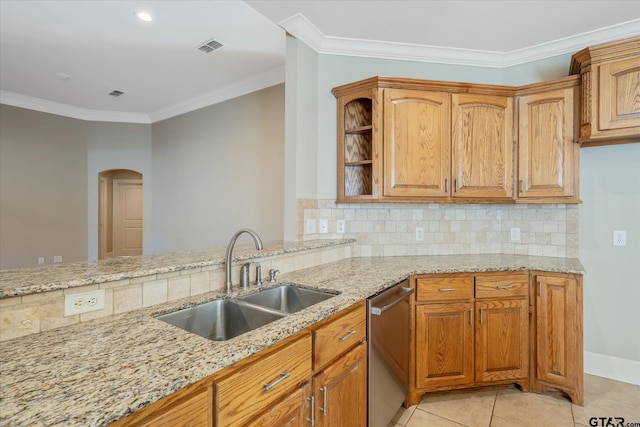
210	46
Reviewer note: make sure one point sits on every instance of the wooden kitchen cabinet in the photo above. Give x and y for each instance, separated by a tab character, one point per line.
558	334
359	145
471	330
295	410
502	328
417	143
548	152
340	368
444	331
340	391
610	75
482	146
190	407
255	388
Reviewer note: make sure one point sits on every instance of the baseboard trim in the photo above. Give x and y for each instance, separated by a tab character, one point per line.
612	367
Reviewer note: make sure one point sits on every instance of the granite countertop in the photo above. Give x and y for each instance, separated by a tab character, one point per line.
93	373
25	281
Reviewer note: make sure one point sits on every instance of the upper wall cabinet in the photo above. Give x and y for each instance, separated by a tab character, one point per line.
416	143
548	155
431	141
610	110
482	146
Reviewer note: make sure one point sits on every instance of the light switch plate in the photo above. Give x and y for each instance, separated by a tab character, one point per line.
310	226
324	226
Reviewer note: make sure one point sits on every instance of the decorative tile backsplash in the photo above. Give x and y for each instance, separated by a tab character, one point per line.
449	229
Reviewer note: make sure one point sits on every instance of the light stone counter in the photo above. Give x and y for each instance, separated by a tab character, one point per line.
26	281
93	373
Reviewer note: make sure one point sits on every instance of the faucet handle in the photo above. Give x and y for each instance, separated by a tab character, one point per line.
244	275
258	274
272	275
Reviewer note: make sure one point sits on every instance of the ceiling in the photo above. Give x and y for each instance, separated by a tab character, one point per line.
65	57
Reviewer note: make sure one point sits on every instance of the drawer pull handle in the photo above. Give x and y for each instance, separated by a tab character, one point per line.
471	316
504	287
283	376
312	420
346	337
447	289
324	400
481	315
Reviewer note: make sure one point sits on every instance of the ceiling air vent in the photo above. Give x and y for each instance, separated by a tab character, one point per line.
116	93
210	46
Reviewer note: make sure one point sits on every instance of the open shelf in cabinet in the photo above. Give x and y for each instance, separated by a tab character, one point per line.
357	149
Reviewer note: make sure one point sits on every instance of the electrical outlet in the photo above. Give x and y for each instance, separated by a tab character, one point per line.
40	260
619	238
340	226
324	226
311	226
515	234
419	233
83	302
57	258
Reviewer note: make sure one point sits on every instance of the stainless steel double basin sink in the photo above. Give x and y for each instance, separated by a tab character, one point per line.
223	319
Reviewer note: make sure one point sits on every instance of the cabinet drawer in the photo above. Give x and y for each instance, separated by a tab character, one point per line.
444	287
338	336
246	393
502	284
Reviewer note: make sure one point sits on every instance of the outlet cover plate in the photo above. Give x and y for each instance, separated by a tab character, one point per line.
515	234
419	233
340	226
619	238
84	302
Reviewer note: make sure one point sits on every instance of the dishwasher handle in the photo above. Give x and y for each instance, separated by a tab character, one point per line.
379	310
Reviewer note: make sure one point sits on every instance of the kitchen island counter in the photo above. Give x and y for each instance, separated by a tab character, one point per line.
93	373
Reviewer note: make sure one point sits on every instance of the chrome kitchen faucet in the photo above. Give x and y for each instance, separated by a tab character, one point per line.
228	256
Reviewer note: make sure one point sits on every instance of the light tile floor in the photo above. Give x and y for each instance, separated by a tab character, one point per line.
506	406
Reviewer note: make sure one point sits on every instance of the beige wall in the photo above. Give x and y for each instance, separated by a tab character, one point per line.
43	188
217	170
610	188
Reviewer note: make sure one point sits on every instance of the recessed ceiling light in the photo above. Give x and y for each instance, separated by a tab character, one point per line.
144	16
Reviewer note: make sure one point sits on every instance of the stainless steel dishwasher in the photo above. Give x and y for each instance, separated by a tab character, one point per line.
388	331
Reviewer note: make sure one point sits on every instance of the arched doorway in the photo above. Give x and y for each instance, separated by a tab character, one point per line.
119	213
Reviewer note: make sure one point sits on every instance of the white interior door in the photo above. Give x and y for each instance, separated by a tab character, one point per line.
127	220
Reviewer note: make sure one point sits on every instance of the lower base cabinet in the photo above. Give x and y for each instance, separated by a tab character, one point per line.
489	328
558	334
340	391
294	410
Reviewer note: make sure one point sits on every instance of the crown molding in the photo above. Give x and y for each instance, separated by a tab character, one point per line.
45	106
300	27
243	87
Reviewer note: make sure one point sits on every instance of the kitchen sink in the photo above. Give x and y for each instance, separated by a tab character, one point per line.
221	319
287	298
